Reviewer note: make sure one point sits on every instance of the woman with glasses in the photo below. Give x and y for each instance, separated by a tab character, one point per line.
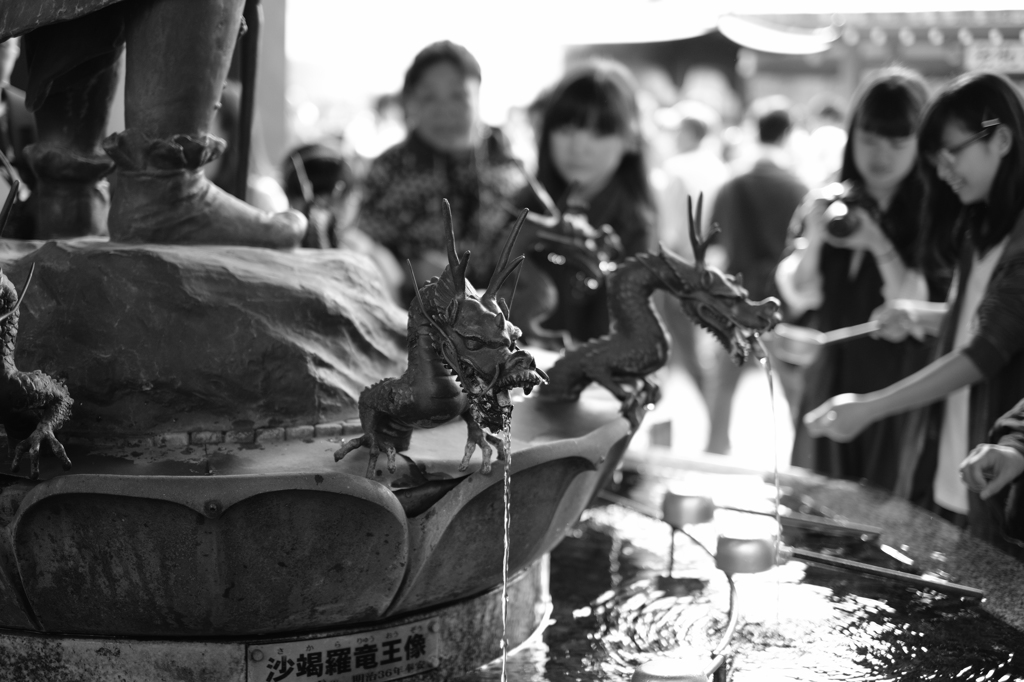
972	140
842	274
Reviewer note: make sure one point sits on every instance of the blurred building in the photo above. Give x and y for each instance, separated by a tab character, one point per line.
810	57
940	45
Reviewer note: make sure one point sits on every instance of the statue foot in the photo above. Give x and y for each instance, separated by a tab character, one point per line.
72	196
184	207
161	196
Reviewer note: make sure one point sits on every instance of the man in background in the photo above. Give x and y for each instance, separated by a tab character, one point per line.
695	169
753	211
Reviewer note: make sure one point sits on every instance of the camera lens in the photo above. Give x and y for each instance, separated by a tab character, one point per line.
840	221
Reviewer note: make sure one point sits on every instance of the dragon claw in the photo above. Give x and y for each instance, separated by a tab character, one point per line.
31	446
375	448
647	394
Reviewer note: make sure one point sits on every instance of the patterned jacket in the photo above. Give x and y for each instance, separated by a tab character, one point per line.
401	204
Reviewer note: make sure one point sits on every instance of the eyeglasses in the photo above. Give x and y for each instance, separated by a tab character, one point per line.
949	155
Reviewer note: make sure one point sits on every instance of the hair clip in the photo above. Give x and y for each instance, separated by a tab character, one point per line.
989	123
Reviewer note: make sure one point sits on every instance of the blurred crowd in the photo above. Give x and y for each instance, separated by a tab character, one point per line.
890	226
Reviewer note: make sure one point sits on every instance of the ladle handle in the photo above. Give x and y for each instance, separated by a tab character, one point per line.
869	569
828	526
854	332
816	523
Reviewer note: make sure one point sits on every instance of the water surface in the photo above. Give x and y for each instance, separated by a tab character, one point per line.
615	607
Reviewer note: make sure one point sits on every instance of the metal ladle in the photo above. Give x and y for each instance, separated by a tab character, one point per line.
755	554
801	346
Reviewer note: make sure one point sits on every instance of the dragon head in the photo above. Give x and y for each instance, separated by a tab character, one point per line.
473	335
715	300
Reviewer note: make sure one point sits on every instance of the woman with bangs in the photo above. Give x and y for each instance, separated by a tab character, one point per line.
591	160
840	281
972	142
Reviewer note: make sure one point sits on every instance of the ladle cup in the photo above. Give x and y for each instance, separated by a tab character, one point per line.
678	510
801	346
753	555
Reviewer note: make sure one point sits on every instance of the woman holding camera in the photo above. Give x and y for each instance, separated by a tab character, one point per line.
855	249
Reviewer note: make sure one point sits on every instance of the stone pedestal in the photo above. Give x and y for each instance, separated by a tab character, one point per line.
156	340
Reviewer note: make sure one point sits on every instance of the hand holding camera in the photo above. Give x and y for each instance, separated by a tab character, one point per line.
851	220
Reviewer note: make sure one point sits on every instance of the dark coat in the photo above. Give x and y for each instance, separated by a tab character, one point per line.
401	202
997	349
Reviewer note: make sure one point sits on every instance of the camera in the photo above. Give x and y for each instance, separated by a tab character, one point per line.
840	219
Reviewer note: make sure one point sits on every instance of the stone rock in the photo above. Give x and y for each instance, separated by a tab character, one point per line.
154	338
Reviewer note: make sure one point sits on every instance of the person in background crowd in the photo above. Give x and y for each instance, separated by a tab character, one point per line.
696	168
844	279
448	154
826	141
321	183
590	140
972	143
318	180
753	211
263	190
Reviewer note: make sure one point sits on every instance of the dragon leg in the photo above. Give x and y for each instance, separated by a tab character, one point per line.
477	436
56	413
350	445
644	393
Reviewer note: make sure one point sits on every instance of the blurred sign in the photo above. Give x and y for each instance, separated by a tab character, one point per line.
1007	57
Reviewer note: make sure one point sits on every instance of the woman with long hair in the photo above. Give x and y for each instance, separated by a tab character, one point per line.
843	276
591	160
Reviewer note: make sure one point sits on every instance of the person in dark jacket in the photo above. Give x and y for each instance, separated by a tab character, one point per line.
753	211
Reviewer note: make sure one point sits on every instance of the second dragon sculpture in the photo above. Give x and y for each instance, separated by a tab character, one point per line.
463	361
637	344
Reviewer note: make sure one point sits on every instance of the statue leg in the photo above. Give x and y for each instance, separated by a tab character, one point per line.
179	52
73	71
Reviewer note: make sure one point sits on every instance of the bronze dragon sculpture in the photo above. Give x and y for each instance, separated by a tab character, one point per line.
32	404
637	344
463	361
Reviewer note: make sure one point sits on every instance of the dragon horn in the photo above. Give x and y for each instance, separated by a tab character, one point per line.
503	269
5	213
308	196
455	266
21	298
416	289
698	249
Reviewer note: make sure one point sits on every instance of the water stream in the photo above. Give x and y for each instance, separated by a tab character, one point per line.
766	363
507	498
